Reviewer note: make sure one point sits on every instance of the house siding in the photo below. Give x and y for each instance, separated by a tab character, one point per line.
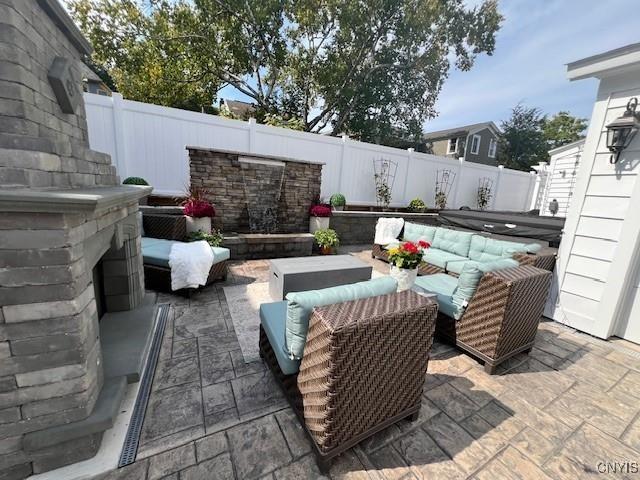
561	180
598	249
483	154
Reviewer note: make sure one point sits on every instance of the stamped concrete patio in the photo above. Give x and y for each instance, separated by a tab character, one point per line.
569	410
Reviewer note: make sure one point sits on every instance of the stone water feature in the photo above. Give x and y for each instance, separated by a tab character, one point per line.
262	188
262	201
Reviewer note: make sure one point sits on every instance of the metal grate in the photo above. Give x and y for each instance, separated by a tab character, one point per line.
130	447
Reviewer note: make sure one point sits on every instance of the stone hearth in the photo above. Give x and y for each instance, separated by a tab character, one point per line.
66	225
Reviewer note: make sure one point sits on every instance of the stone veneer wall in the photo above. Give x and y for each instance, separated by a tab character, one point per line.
40	145
222	174
51	371
359	228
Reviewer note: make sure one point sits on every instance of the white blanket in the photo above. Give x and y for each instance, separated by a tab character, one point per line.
190	264
387	230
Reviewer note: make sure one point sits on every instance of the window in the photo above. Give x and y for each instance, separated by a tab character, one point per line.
453	145
475	144
493	145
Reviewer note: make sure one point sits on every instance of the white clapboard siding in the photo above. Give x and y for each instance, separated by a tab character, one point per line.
561	178
149	141
600	206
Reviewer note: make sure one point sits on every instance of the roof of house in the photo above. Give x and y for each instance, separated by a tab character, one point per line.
239	108
459	131
568	146
607	63
88	74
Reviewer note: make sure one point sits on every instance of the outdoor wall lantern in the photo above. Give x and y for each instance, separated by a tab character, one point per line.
621	131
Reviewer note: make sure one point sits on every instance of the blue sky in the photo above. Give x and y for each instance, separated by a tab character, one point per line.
537	39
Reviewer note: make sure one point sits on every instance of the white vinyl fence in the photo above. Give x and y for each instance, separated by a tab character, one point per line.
149	141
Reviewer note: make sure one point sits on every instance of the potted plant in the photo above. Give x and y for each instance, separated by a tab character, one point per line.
327	239
214	238
417	205
134	181
404	260
338	201
198	210
319	217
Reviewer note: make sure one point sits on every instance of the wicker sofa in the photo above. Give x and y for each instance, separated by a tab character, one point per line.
363	365
451	248
491	300
160	230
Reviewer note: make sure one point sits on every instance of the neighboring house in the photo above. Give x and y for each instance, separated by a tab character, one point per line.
475	143
92	83
237	109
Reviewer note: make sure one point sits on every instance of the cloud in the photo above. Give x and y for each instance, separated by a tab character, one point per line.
536	41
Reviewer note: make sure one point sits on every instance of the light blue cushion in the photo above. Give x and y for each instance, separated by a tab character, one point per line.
457	265
301	304
220	254
156	251
483	249
440	258
452	241
443	286
499	264
273	317
416	231
468	282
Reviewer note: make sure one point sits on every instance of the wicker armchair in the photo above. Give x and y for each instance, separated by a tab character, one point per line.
502	317
363	369
171	227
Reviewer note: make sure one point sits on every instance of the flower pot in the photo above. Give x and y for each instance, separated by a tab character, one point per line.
339	208
318	223
195	224
326	250
405	277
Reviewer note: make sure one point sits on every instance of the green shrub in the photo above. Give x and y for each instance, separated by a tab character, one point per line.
417	205
214	238
337	200
134	181
326	237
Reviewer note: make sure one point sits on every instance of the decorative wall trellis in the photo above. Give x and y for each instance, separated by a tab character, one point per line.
384	177
444	182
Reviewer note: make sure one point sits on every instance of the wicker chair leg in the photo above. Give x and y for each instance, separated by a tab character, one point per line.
414	416
489	368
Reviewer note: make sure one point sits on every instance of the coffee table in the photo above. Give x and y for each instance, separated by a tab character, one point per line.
311	273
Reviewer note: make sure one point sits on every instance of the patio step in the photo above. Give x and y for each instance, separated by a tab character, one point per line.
125	338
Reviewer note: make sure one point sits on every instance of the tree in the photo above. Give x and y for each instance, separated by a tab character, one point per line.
370	68
136	47
563	128
522	143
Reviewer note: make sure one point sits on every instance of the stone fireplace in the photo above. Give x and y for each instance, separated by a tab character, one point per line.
65	224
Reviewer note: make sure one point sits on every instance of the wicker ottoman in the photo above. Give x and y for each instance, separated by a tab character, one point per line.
363	369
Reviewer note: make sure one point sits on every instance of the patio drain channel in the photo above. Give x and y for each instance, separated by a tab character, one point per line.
130	447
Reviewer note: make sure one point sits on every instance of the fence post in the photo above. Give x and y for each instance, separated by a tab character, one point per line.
252	135
410	151
457	181
118	135
343	150
532	183
497	189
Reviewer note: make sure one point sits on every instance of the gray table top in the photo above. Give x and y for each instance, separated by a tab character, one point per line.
317	263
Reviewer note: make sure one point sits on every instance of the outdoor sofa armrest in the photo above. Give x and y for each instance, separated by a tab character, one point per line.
543	260
364	364
503	315
168	227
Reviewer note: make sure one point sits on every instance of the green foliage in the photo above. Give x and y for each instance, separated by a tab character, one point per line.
563	128
145	48
134	181
484	196
441	200
337	200
278	121
326	237
214	238
417	205
522	143
321	65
